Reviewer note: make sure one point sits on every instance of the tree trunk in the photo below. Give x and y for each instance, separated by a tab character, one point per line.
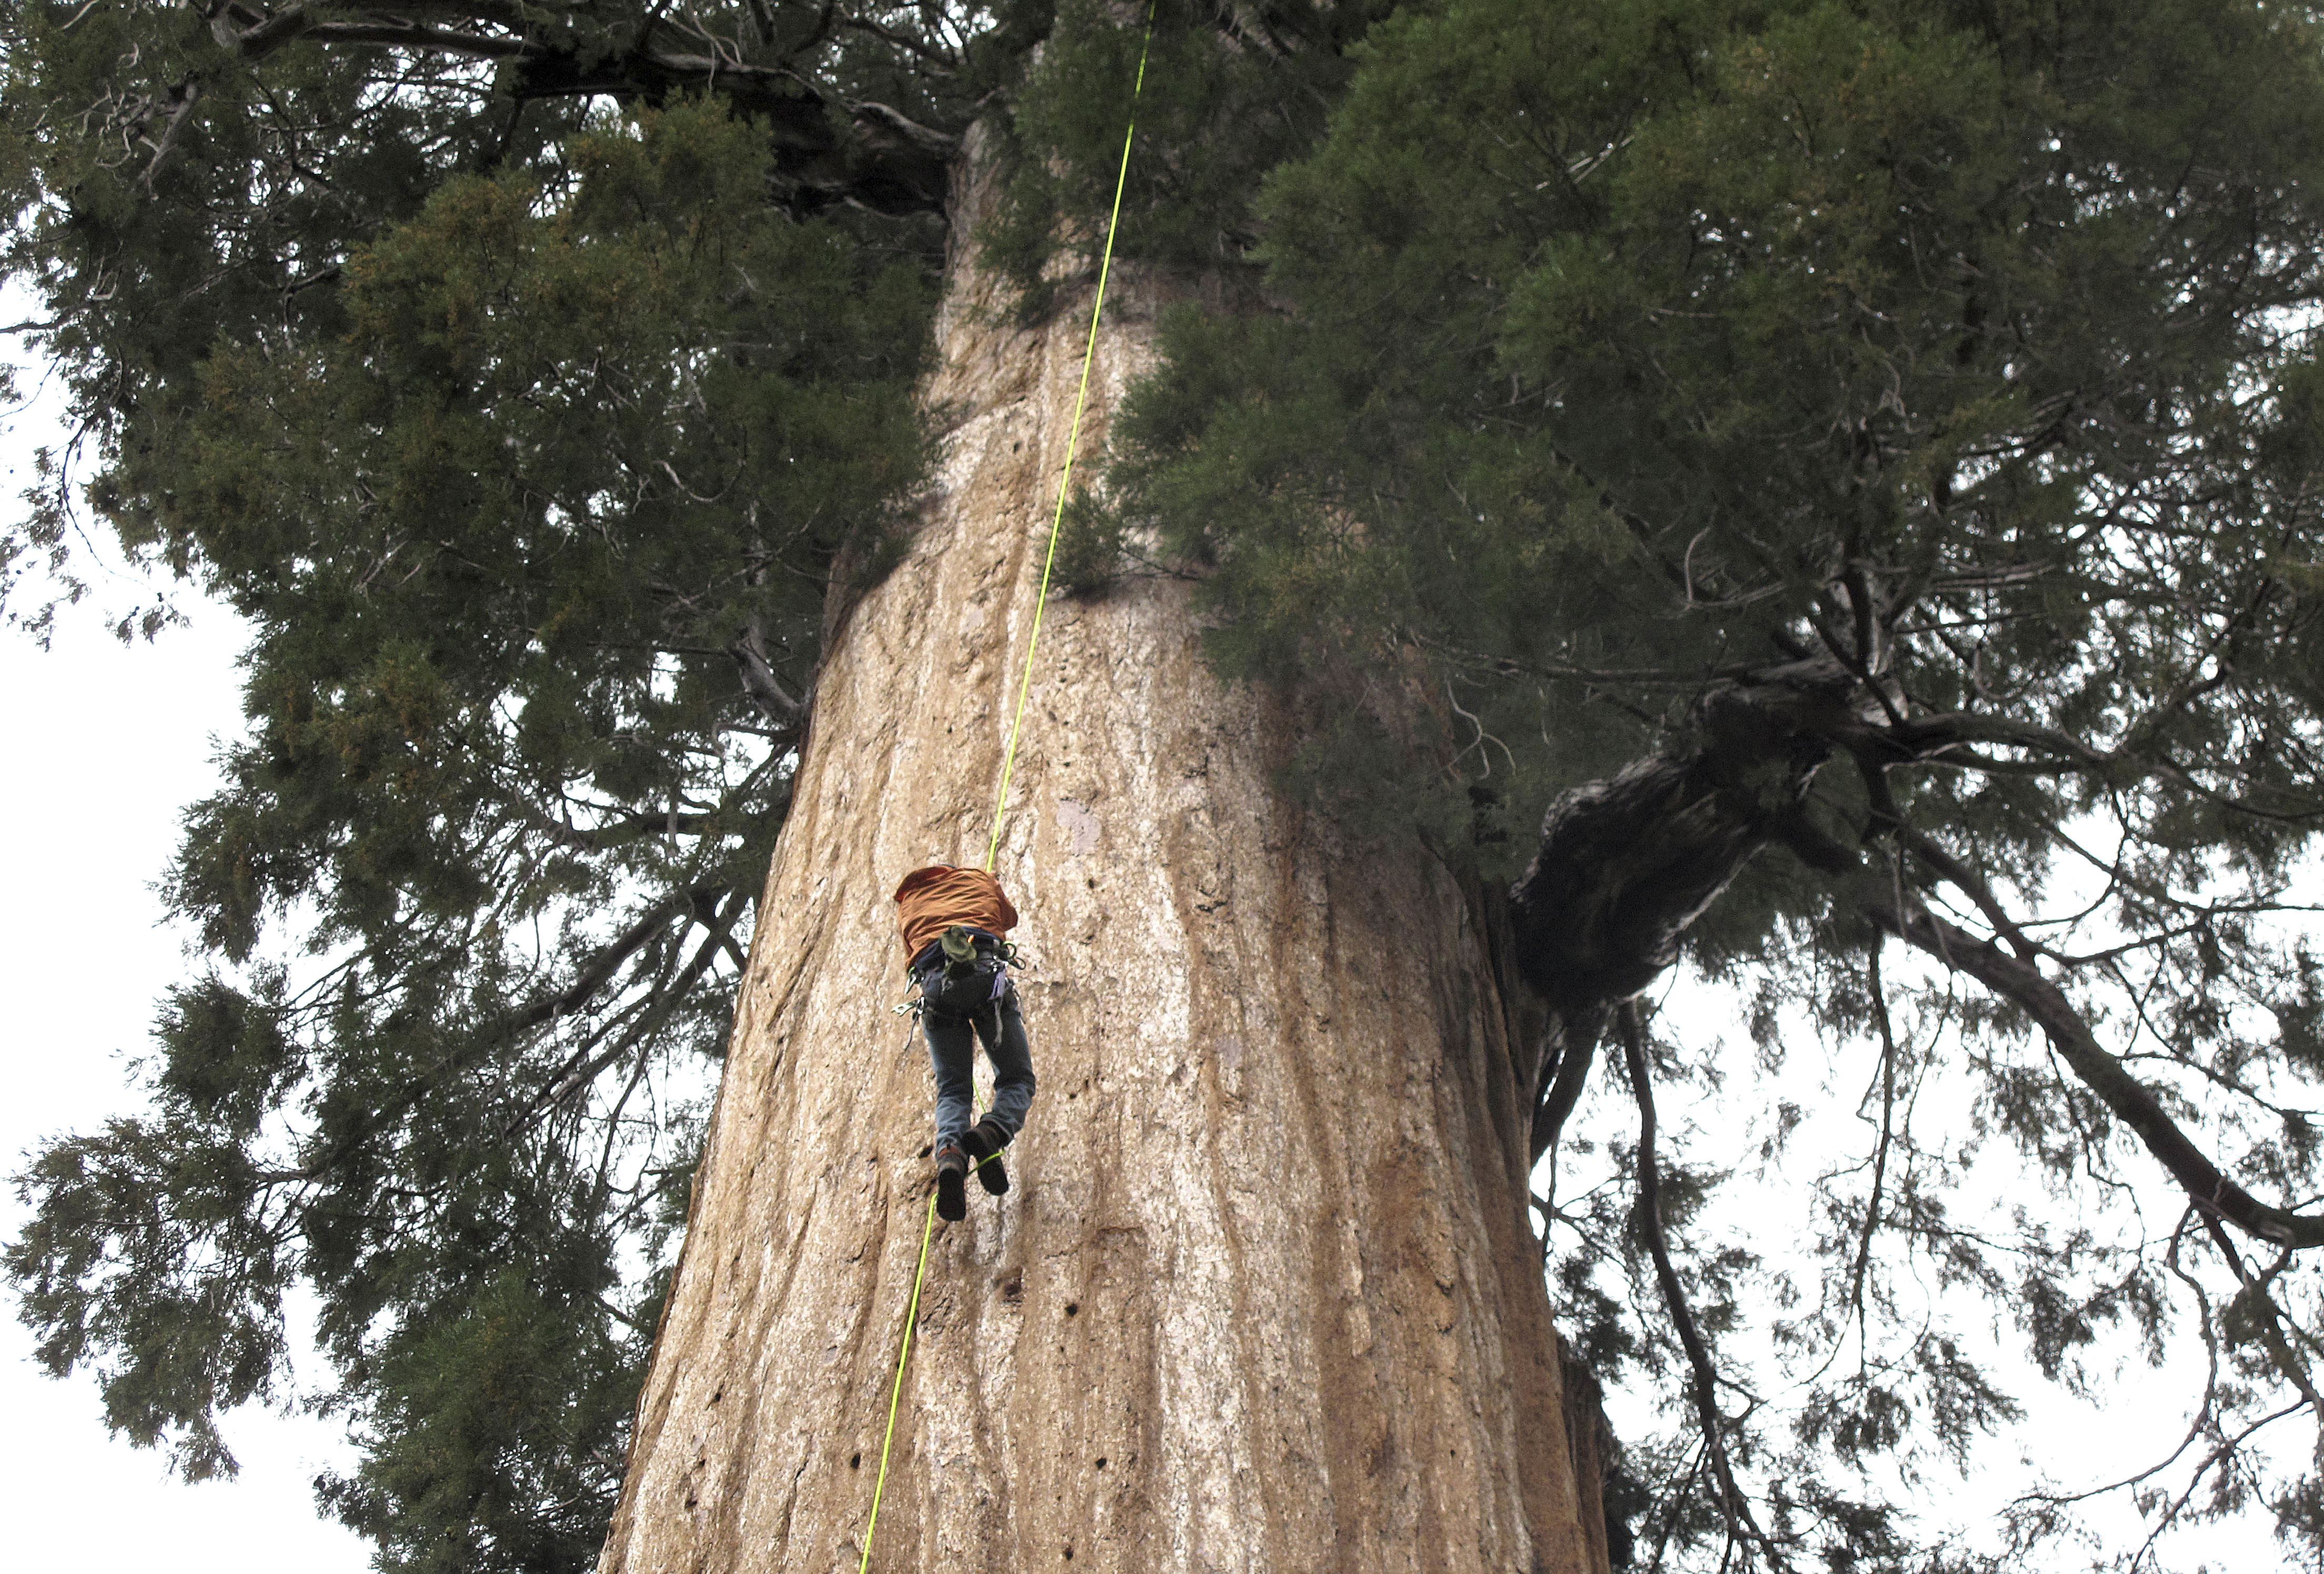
1264	1295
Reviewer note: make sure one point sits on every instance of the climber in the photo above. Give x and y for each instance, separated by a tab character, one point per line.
954	919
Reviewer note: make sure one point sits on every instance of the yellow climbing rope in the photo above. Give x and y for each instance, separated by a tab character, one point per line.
896	1391
1073	445
1016	725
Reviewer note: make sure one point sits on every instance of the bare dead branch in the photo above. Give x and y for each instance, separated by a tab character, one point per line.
759	680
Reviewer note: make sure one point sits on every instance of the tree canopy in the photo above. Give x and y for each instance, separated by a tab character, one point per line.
1886	436
1847	471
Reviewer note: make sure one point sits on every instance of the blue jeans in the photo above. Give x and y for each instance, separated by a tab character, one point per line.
952	1055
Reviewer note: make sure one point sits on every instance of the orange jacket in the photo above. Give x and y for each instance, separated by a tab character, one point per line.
939	896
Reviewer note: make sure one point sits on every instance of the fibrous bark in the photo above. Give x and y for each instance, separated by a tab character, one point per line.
1264	1296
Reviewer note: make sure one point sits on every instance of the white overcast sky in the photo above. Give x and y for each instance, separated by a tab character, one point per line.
103	746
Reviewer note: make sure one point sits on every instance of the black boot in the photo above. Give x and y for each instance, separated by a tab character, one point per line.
952	1194
984	1141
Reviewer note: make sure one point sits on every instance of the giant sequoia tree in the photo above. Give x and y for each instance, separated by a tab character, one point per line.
1845	472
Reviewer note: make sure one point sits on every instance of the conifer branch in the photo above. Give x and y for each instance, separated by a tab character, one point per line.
895	163
182	99
787	711
2098	1070
1563	1080
1861	1268
668	996
1741	1526
1627	864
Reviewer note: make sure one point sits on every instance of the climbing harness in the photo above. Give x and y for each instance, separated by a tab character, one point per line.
968	984
1008	759
973	979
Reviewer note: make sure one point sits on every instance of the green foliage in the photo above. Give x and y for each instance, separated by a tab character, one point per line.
1090	546
503	534
504	1425
1616	352
534	439
176	1336
1215	121
1727	301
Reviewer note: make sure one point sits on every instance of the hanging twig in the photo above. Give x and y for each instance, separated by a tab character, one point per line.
1740	1524
1887	1137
